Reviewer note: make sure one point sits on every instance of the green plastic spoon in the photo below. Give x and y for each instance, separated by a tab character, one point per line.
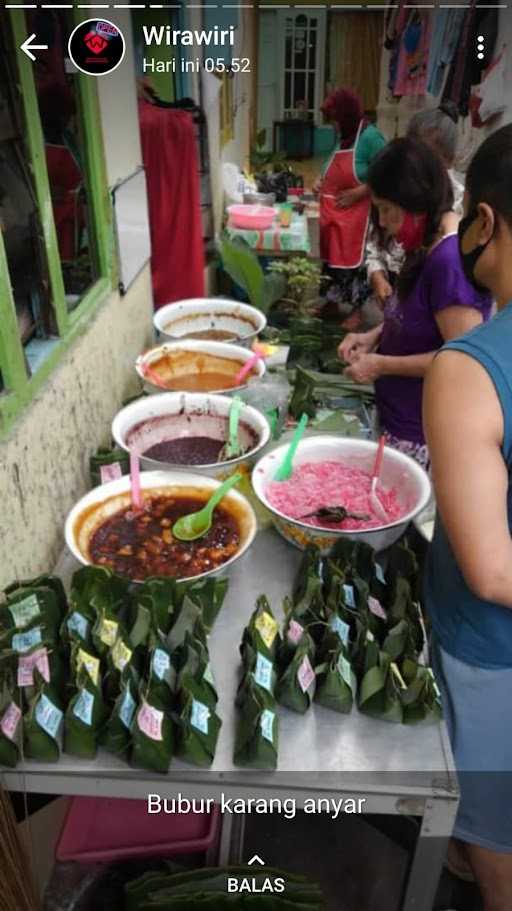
198	524
284	472
232	448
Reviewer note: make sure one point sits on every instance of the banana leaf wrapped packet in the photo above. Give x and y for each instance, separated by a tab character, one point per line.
152	732
198	723
401	641
44	660
105	457
159	596
336	682
162	675
293	635
196	663
308	592
11	725
187	620
85	717
42	723
258	671
379	689
116	734
261	635
257	730
33	605
209	597
296	686
421	699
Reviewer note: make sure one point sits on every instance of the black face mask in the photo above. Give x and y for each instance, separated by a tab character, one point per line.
469	260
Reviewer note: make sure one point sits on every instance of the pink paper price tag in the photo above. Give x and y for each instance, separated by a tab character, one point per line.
28	663
10	721
295	631
376	608
150	721
110	472
305	674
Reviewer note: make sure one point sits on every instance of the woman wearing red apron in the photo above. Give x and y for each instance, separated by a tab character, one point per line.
345	200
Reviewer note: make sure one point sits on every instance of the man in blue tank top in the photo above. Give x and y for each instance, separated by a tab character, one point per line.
468	425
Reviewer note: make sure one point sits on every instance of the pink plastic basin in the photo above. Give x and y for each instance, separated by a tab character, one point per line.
252	218
101	830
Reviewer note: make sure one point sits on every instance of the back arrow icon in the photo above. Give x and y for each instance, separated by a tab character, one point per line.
27	47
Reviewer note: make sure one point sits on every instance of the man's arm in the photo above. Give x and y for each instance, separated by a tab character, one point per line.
463	424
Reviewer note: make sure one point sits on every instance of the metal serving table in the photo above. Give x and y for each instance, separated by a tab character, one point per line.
398	769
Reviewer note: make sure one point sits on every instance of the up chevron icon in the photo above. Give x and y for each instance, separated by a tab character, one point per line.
256	860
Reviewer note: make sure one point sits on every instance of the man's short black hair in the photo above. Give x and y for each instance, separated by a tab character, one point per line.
489	177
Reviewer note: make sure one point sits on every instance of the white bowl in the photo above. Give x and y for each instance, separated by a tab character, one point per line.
398	471
182	414
198	348
177	321
102	502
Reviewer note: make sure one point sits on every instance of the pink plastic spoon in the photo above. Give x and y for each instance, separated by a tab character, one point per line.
249	364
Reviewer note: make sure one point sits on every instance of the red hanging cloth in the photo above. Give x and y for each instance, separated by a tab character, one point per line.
169	150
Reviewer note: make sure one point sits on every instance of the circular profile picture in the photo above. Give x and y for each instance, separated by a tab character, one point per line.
96	47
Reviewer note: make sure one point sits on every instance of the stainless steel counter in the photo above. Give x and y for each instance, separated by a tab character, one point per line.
396	768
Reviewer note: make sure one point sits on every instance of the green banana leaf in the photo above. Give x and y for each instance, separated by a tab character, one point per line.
209	597
116	734
296	685
152	732
379	692
257	731
42	723
105	456
336	682
84	719
261	634
198	724
11	725
158	596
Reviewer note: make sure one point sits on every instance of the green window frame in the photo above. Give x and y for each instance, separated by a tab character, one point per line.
20	388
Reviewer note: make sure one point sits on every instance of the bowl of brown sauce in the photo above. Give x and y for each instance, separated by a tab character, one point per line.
213	319
179	430
196	366
103	529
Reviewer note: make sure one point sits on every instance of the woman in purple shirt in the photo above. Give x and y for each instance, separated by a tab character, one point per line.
433	301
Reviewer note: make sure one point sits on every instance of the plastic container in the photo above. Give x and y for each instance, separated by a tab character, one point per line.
251	218
102	830
176	321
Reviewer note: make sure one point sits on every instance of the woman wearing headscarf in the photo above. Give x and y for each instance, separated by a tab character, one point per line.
345	198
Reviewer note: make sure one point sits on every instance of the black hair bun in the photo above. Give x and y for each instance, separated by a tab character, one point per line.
450	109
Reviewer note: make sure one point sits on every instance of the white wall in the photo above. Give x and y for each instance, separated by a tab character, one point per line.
44	461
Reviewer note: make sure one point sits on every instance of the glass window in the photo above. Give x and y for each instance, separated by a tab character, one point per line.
59	109
19	217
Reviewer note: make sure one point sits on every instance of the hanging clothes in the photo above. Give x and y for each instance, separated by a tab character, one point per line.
411	75
169	150
466	70
448	24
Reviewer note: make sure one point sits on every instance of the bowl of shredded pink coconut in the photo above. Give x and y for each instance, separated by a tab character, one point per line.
328	494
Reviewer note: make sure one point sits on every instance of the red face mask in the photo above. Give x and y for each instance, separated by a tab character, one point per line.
412	232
